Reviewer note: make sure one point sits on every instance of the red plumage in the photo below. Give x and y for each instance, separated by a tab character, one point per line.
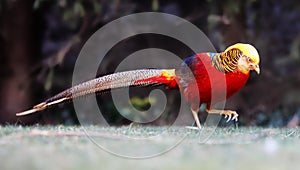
200	82
207	80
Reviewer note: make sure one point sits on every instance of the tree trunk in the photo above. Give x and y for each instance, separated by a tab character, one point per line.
17	37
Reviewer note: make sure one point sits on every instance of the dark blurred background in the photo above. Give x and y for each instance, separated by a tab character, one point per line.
41	39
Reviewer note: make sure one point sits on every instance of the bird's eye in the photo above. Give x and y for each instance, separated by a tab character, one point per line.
249	59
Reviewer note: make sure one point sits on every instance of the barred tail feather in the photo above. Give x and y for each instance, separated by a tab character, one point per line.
142	77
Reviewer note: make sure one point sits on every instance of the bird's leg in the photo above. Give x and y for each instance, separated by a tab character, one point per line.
195	114
232	115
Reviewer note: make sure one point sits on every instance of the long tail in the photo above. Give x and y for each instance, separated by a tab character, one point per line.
143	77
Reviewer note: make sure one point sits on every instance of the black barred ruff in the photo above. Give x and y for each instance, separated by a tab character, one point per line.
227	61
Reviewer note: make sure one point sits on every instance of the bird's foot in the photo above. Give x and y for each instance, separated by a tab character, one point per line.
193	127
229	114
232	115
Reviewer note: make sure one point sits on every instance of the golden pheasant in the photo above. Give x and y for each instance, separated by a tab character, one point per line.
234	65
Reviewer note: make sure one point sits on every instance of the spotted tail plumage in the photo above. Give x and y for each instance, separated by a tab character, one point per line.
142	77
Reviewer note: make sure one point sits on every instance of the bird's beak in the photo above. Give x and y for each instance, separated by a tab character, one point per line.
257	69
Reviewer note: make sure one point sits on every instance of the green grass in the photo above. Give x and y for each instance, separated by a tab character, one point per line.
65	147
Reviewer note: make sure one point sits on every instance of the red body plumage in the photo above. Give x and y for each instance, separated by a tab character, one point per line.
213	85
200	82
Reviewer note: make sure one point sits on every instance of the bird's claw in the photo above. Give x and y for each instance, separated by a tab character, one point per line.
232	115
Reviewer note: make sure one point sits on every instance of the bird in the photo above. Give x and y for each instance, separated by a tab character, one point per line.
198	77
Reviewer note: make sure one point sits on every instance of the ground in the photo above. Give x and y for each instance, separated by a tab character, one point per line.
68	147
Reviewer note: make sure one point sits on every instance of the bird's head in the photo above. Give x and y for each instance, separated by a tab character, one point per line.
249	59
